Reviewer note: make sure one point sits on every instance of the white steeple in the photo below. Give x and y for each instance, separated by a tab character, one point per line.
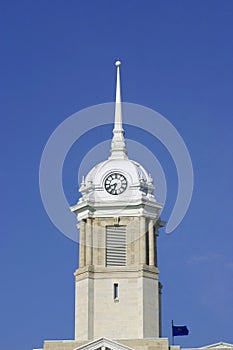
118	147
117	287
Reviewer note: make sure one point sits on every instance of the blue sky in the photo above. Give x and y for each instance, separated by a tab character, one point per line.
56	59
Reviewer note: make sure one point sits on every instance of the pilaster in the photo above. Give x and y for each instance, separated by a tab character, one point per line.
151	243
89	242
82	245
142	240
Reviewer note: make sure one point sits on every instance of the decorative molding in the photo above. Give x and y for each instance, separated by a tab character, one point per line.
103	343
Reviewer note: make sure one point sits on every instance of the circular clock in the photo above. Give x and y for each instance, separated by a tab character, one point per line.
115	183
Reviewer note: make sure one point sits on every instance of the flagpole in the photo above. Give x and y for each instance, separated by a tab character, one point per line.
172	334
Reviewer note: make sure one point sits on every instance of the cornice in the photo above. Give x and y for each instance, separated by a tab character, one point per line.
133	271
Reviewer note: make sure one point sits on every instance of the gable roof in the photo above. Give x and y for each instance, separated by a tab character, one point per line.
103	344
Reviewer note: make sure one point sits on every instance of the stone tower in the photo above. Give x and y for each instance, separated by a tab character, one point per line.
117	288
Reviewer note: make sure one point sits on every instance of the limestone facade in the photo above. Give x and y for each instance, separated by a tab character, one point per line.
134	314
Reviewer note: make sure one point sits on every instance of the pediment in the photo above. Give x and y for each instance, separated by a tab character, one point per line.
103	344
219	345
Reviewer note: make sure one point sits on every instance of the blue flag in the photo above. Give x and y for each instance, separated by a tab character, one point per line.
179	330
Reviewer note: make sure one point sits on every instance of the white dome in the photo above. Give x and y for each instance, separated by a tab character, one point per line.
132	169
138	183
117	186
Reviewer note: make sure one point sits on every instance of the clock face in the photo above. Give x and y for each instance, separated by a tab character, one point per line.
115	183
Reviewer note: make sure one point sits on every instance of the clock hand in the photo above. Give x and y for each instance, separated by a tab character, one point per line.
114	186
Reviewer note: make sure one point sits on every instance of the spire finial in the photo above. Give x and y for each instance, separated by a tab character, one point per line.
118	148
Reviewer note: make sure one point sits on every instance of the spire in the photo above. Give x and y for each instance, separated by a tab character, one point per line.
118	148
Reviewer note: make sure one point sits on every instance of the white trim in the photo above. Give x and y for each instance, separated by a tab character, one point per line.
103	342
218	345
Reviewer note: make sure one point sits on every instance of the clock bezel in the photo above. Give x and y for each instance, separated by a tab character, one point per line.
118	191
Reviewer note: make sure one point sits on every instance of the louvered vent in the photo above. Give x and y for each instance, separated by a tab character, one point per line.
116	245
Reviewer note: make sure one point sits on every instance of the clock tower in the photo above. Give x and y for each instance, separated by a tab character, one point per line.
117	287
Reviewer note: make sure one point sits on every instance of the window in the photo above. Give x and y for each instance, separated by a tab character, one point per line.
115	291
